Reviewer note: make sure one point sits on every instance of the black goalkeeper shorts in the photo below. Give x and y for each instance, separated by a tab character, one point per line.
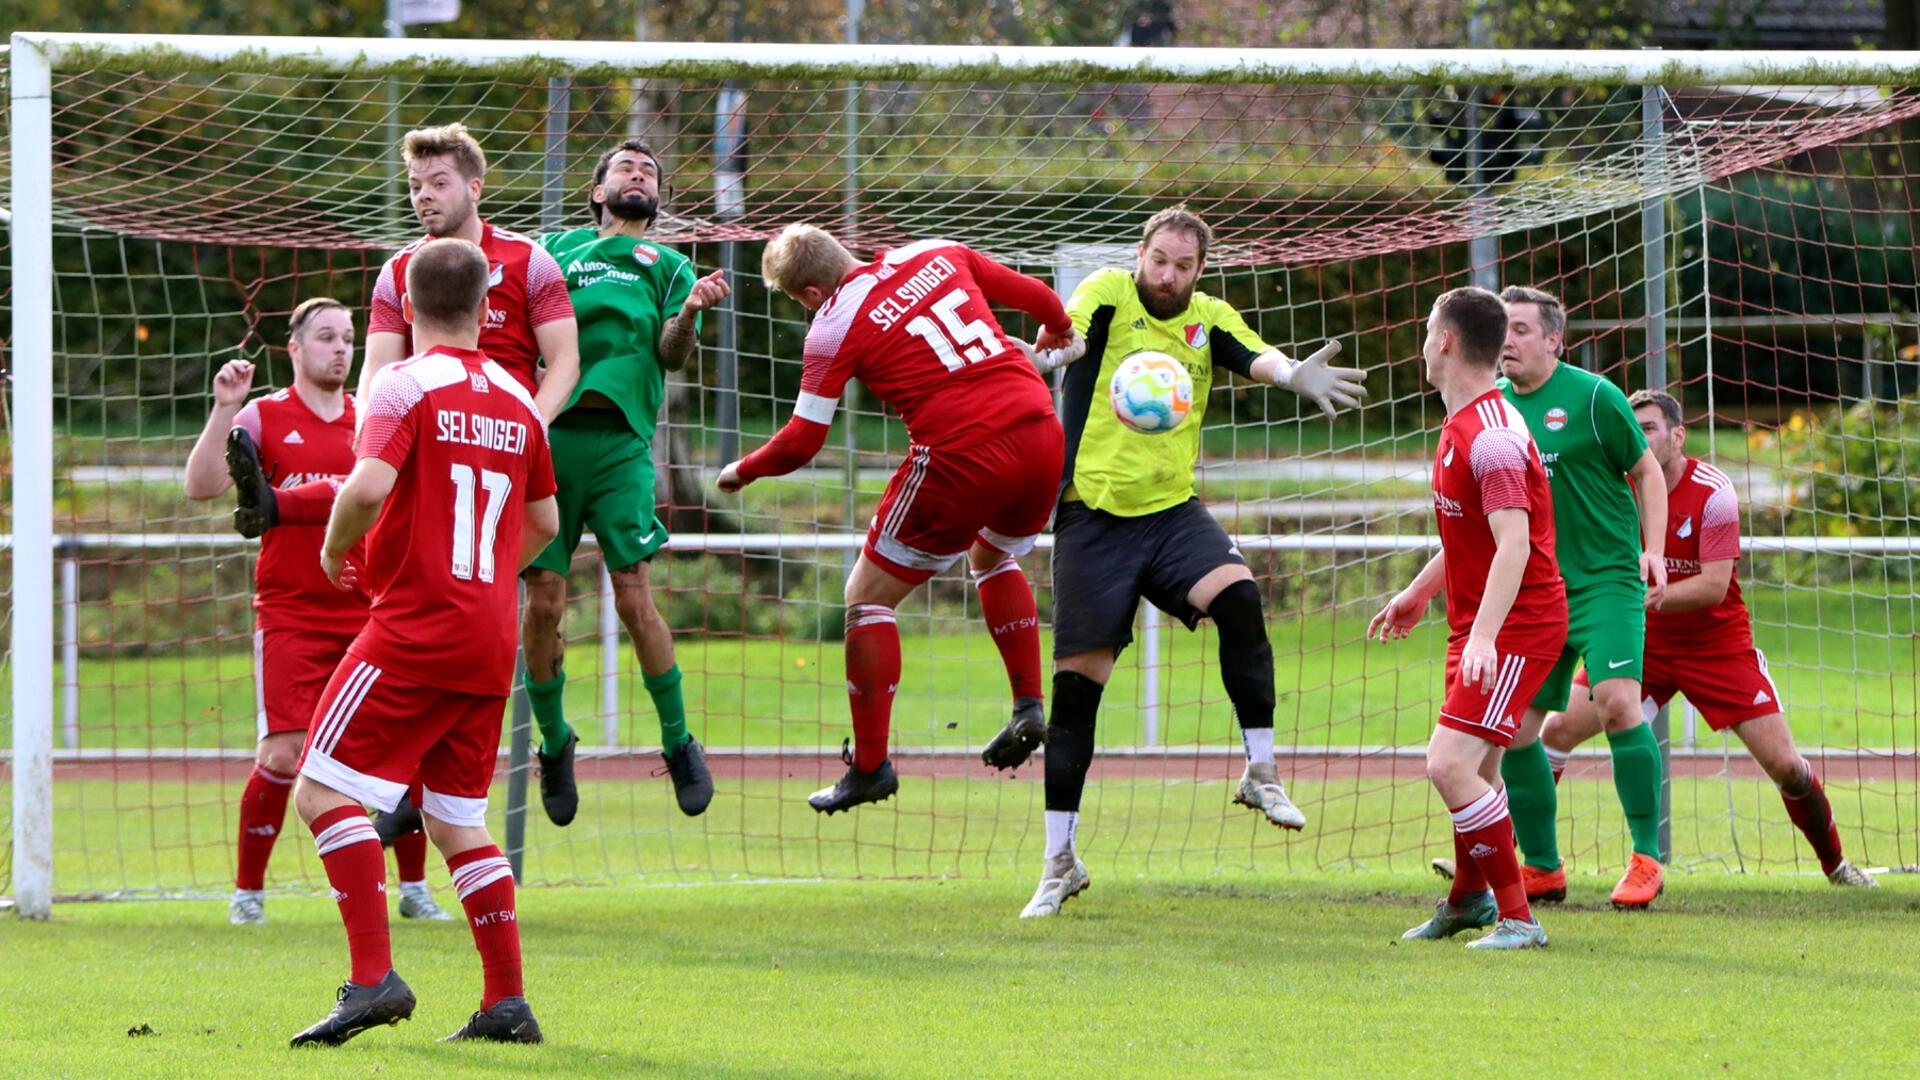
1103	564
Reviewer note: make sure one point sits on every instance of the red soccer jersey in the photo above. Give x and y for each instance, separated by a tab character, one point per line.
916	328
1703	526
443	560
296	446
525	290
1486	461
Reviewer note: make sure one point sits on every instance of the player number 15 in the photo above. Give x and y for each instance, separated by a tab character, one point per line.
960	343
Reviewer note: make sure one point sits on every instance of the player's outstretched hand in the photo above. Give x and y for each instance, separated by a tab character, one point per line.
1653	572
342	573
1478	662
1331	388
707	292
729	480
231	383
1053	351
1397	619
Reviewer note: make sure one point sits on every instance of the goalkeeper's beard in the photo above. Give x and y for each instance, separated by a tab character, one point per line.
1159	304
635	207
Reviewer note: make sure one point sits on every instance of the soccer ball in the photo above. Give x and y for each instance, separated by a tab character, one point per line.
1152	393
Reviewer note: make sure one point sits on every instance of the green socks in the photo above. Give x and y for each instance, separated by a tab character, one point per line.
1636	776
548	713
1534	803
664	688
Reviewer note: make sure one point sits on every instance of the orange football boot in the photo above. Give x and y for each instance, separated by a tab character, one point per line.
1643	881
1544	886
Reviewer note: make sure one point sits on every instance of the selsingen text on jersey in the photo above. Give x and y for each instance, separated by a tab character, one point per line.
487	432
892	309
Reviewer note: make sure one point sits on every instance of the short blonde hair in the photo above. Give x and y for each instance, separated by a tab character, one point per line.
449	141
804	255
303	315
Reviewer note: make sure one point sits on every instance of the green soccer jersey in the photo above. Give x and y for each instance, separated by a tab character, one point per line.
1110	466
623	291
1588	439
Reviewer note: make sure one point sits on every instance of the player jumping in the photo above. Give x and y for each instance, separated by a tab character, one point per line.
455	483
1506	613
1130	526
638	307
302	623
980	476
1700	641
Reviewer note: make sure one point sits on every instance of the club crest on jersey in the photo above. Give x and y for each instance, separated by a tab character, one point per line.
644	255
1686	528
496	274
1196	335
1556	418
1446	462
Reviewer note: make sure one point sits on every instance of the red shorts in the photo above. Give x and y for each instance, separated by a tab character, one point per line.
1728	689
376	731
1493	714
1001	491
290	668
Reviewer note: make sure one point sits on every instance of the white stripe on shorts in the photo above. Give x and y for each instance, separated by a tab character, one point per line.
352	692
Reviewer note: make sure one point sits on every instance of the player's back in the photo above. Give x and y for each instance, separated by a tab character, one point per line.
297	446
916	327
1486	460
1703	525
442	560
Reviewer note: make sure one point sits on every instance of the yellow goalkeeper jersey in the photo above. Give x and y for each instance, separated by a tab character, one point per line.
1110	466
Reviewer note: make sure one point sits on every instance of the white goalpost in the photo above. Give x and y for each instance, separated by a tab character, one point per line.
1348	187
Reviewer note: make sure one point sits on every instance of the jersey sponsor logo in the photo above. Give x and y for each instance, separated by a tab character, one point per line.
496	273
495	318
1760	697
1196	335
293	439
1556	418
1449	507
1682	567
296	479
1686	528
645	255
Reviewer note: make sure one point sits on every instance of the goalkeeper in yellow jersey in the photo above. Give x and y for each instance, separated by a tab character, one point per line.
1129	525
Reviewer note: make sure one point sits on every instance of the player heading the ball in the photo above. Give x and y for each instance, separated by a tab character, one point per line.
1506	612
455	485
1130	525
916	327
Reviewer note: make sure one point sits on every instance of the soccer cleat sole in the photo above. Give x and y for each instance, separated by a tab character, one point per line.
1262	811
832	810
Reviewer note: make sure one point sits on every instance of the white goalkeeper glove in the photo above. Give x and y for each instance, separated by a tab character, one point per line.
1047	360
1331	388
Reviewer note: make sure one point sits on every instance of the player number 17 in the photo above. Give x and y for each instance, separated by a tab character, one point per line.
959	343
496	485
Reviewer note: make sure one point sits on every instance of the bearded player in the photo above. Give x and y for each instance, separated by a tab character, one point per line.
1700	640
914	325
1506	613
302	623
529	318
638	306
456	485
1129	526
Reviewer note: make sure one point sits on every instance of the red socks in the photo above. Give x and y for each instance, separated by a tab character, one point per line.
1813	816
1006	599
410	857
484	882
357	870
1483	832
873	674
310	503
1468	881
263	810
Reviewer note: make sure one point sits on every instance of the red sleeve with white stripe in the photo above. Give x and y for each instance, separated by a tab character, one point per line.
1720	526
392	419
1011	288
547	299
385	316
1499	462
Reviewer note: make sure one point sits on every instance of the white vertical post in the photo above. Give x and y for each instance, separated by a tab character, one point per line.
31	89
609	662
70	648
1150	674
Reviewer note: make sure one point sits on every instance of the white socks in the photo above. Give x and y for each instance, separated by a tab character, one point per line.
1259	744
1060	829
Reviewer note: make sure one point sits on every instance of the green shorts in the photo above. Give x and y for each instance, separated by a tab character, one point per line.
604	473
1607	630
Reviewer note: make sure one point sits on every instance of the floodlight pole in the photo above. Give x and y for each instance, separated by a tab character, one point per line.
1653	248
31	89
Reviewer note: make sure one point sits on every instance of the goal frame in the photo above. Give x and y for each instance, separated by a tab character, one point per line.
35	57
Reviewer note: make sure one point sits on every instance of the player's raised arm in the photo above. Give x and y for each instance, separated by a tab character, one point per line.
206	475
1059	343
680	334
